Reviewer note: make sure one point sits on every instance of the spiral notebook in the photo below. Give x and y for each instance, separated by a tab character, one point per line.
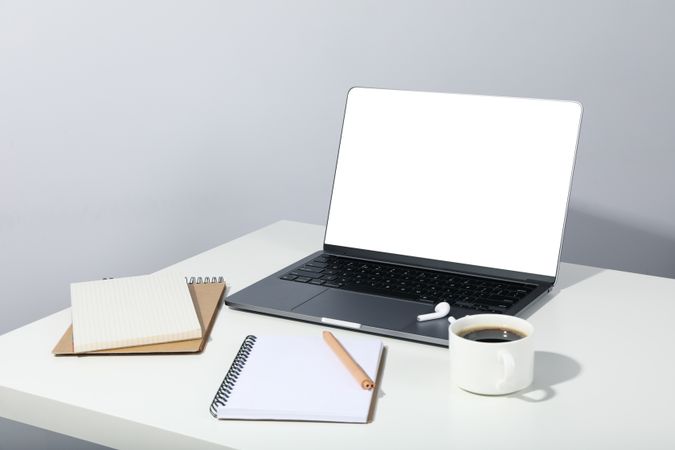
297	378
206	294
140	310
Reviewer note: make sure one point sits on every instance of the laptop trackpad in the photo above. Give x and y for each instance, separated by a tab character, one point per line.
365	309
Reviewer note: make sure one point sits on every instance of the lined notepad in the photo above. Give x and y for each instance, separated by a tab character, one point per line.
125	312
297	378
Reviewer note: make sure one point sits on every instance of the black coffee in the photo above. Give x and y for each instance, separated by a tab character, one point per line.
491	335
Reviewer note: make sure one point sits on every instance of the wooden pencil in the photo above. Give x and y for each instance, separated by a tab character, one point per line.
357	372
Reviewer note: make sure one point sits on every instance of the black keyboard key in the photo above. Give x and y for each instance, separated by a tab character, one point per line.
321	259
498	298
387	292
289	277
331	284
494	303
302	279
311	269
464	305
317	264
316	281
309	274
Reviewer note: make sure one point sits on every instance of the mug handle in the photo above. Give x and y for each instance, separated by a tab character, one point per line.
509	365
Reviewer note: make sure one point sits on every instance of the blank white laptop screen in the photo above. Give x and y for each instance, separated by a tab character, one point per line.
467	179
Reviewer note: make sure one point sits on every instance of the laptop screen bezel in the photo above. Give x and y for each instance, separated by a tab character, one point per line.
447	266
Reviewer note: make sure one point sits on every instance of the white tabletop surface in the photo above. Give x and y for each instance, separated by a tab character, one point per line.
604	373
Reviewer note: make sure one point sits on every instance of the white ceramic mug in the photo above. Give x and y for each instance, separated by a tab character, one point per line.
491	368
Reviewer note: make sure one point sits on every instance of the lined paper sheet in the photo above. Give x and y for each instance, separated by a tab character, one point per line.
124	312
300	378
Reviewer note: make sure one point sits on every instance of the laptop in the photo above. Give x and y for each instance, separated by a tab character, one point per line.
436	197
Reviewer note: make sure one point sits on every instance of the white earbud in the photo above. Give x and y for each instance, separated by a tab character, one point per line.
442	310
452	319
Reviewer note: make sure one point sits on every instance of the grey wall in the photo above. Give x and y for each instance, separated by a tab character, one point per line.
134	134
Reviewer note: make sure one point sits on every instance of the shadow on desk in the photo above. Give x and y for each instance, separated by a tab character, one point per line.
379	393
550	369
571	276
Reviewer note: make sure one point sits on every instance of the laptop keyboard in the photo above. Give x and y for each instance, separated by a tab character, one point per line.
426	286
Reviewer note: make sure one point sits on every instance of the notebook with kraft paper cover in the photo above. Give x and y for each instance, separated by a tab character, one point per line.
206	294
297	378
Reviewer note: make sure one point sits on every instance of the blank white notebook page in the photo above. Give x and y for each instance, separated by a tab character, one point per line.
300	378
125	312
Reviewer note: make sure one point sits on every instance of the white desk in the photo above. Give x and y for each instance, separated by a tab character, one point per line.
609	381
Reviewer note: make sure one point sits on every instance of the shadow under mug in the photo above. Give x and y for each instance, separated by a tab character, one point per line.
491	368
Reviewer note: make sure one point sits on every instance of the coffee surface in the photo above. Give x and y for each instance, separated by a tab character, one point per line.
491	334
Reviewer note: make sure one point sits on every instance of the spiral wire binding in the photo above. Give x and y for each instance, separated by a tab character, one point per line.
192	280
204	280
226	387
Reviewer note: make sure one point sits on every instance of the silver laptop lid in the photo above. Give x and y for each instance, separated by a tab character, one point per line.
468	179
